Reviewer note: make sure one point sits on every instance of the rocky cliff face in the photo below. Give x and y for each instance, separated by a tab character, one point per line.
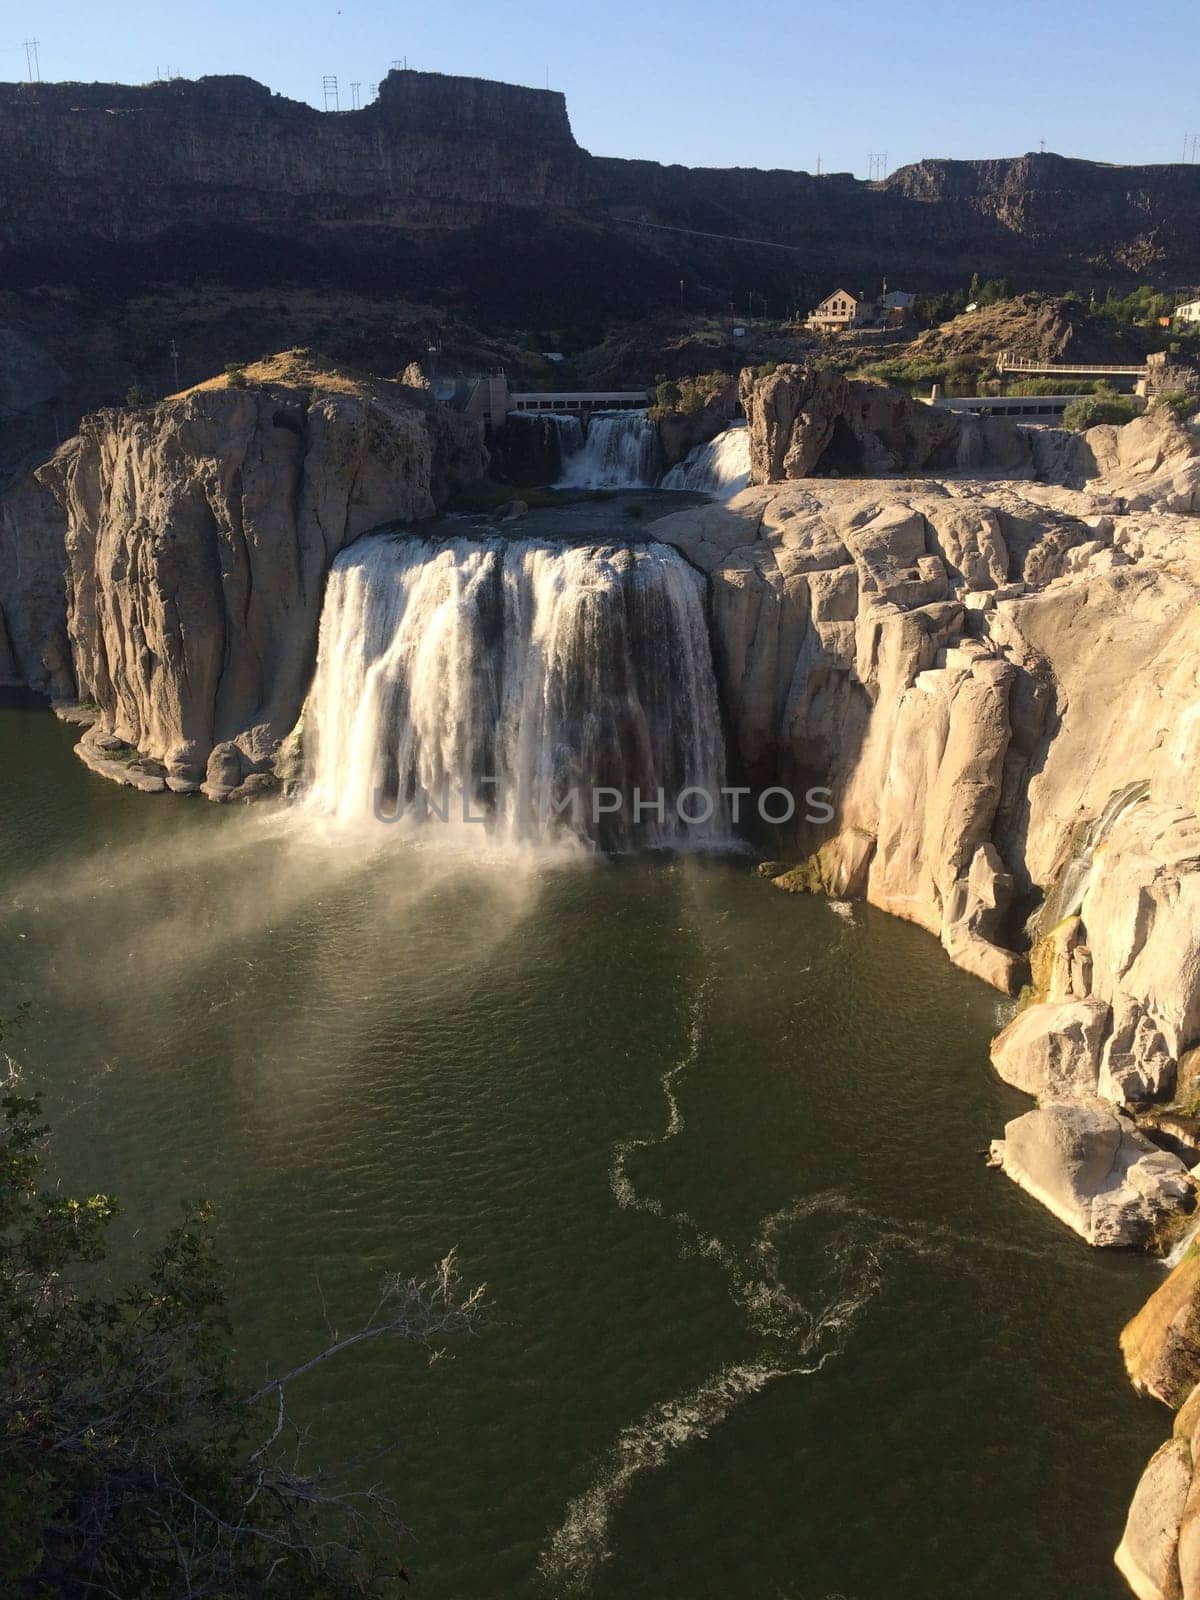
812	421
461	178
225	151
199	534
998	681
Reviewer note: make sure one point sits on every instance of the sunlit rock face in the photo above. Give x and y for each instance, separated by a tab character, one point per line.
199	535
998	681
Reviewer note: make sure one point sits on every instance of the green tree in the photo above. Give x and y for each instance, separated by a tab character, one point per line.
1105	405
995	290
130	1463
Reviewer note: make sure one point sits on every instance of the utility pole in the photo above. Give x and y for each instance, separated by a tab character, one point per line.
329	88
818	163
877	166
354	88
33	71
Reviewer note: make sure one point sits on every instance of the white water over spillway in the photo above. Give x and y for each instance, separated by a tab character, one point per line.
720	467
620	451
569	429
553	690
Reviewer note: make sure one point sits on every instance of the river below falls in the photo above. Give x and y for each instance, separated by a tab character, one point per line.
762	1323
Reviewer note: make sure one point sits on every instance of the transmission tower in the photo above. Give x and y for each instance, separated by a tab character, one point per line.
330	89
33	71
877	166
354	88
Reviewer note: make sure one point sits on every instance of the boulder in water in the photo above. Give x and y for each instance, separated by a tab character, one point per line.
1053	1049
1091	1167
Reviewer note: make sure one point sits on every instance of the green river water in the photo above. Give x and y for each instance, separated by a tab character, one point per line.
763	1324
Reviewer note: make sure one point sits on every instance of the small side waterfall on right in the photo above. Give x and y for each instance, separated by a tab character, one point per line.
620	451
545	691
720	467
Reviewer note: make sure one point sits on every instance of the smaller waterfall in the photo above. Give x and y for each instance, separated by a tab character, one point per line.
1065	899
566	431
721	467
620	451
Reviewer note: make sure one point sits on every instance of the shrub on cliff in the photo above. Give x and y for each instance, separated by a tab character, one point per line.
130	1463
687	396
1103	406
1183	404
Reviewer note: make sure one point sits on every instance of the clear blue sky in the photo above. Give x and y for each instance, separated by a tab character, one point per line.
704	83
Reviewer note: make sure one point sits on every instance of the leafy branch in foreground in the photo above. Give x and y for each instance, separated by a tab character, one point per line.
130	1465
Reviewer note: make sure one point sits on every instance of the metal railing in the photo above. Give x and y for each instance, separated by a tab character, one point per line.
1098	369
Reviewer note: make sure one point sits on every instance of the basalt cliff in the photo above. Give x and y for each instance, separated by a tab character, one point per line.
477	193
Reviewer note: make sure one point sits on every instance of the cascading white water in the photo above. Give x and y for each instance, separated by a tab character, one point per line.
721	467
620	451
532	682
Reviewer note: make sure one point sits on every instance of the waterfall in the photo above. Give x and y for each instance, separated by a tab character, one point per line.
721	467
558	437
1065	898
550	688
620	451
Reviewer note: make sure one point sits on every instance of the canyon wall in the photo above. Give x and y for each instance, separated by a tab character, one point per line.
448	177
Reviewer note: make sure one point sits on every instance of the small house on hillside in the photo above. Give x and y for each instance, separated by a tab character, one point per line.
841	309
1189	312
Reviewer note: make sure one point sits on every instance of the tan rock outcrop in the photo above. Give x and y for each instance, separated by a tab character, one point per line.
199	534
808	419
1148	1555
1161	1344
1053	1049
1094	1170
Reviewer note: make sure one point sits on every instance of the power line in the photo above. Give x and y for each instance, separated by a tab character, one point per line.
354	88
33	69
877	166
329	88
